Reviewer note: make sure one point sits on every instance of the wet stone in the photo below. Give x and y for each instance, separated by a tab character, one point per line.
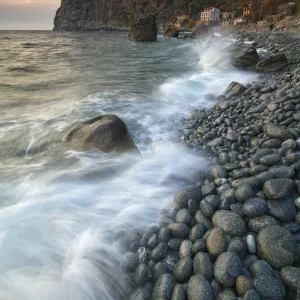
130	262
251	295
199	246
255	207
183	270
159	252
238	246
272	143
227	295
179	292
203	265
243	193
230	222
196	232
278	188
217	171
277	246
243	284
179	230
256	224
185	249
198	288
260	267
270	159
282	172
216	242
175	243
163	287
164	234
182	197
208	189
269	287
282	209
159	269
291	276
228	267
184	216
142	274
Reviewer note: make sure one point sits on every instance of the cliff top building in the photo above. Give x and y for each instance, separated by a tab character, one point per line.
210	15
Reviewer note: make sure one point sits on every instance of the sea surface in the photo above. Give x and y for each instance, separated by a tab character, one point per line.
61	211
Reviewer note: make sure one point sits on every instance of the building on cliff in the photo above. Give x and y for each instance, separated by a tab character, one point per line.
210	15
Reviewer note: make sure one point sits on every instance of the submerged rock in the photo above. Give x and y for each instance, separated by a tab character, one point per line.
107	133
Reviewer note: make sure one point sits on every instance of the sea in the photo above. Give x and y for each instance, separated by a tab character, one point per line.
61	210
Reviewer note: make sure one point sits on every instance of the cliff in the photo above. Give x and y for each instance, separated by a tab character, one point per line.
114	14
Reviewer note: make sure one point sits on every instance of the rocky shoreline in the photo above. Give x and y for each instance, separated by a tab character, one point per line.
234	233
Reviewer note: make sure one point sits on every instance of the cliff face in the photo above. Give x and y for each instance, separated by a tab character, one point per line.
114	14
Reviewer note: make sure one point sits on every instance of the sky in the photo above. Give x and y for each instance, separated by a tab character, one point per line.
27	14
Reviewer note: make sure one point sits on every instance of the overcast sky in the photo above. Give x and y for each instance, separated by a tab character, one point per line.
27	14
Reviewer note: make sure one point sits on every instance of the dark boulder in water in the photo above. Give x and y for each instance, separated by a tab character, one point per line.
144	29
107	133
242	55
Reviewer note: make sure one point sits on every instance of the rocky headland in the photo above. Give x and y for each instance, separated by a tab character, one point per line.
234	232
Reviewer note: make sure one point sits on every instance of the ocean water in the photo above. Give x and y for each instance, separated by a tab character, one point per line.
60	210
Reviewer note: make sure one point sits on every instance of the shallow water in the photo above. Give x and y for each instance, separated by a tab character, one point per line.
60	209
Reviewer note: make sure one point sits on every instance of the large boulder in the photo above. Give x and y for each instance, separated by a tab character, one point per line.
144	29
273	63
107	133
171	31
200	31
234	89
242	55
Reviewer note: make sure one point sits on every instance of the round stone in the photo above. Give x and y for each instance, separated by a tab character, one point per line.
251	244
196	233
227	295
184	216
270	159
217	171
255	207
278	188
142	275
243	284
198	288
237	245
216	242
277	246
260	267
179	292
291	276
179	230
282	209
251	295
163	287
183	270
182	197
230	222
228	267
243	193
202	265
159	252
269	287
257	224
185	249
199	246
